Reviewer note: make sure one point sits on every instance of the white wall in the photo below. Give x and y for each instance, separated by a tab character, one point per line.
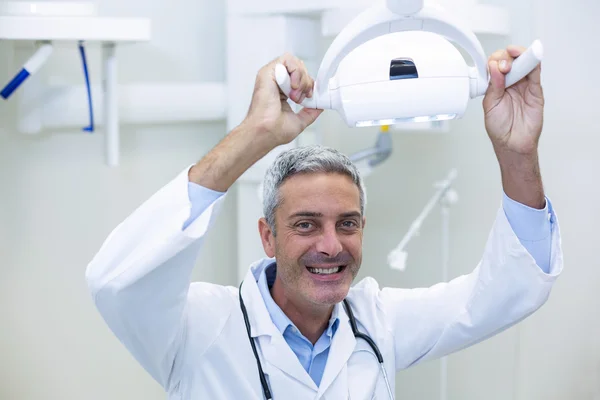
59	201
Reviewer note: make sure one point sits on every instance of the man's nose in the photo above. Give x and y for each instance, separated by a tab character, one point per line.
329	242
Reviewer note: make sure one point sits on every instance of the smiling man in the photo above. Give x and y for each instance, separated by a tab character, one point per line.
296	328
313	228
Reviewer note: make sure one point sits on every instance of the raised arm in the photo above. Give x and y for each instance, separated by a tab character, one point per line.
140	278
505	287
270	122
515	275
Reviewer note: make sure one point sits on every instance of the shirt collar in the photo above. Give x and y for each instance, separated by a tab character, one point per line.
281	321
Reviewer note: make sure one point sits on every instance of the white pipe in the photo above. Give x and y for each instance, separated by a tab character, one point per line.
396	256
445	197
29	113
138	103
40	57
445	210
111	105
444	378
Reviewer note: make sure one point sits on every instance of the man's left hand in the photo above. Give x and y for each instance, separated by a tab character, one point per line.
513	120
514	115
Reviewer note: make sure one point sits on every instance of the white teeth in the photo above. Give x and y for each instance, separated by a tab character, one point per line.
325	271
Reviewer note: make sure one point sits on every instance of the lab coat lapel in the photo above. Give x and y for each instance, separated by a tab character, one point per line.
258	315
341	349
275	350
279	354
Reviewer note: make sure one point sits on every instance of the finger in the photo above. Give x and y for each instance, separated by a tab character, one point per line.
308	115
300	80
535	76
294	68
266	76
496	88
306	85
515	51
504	60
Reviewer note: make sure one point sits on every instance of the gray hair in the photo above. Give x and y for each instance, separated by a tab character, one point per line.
308	159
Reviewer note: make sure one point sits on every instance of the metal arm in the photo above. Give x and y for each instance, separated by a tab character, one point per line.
397	257
367	159
377	154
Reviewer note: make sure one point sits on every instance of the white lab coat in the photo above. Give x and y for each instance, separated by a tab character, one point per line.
192	338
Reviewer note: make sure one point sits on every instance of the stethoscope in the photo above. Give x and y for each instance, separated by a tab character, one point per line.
357	334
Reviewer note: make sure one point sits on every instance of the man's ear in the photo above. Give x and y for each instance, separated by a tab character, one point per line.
267	237
364	222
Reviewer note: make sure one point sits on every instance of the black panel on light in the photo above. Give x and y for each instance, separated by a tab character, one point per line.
403	68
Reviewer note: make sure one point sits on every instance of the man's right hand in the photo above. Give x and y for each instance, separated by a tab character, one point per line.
270	122
269	110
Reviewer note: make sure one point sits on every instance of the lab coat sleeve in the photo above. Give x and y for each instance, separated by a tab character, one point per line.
200	198
140	280
506	286
532	227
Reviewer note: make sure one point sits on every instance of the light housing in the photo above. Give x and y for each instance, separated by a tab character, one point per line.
372	73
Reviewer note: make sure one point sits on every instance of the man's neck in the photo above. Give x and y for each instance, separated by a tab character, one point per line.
310	320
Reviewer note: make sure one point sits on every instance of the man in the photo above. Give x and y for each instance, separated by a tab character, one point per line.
296	340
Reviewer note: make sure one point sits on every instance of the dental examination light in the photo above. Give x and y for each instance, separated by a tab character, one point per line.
421	78
445	196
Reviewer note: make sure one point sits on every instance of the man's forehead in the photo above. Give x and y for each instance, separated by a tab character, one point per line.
319	192
319	181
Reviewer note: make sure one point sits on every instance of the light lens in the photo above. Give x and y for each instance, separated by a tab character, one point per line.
393	121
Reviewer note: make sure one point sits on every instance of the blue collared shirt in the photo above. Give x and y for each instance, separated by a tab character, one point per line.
533	228
312	358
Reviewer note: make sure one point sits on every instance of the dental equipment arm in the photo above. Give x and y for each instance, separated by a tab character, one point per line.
397	257
377	154
367	159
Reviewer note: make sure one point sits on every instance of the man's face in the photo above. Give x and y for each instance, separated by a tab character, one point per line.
319	230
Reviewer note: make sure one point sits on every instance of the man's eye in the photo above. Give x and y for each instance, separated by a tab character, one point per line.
304	225
349	224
